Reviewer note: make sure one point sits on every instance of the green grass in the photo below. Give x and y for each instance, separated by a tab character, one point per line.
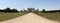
51	16
7	16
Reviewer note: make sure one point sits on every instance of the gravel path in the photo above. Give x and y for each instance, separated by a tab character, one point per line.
29	18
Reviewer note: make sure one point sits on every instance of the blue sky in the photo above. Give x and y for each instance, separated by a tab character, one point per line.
24	4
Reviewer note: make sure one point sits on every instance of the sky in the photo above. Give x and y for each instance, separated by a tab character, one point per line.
24	4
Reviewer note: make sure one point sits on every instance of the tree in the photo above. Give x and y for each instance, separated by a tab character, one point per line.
7	9
10	10
29	9
21	10
37	10
33	9
14	10
43	10
24	10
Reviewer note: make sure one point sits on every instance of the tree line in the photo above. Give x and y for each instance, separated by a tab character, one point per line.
51	11
9	10
37	10
28	10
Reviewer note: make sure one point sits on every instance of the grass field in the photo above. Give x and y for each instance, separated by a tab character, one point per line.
7	16
51	16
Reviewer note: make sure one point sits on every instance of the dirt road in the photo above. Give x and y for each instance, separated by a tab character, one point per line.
29	18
